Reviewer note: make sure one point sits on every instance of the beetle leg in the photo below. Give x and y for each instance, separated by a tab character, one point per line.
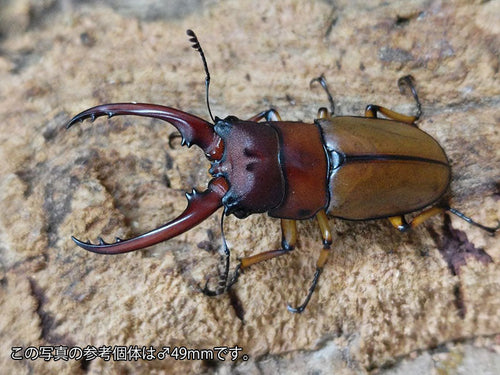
261	257
289	238
372	109
402	225
491	230
326	233
323	113
322	81
409	81
288	241
269	115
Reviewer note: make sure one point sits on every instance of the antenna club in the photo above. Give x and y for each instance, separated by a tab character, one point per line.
196	45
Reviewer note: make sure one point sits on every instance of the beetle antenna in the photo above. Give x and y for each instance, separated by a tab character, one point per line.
196	45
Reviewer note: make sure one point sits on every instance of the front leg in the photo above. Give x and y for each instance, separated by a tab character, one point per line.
288	241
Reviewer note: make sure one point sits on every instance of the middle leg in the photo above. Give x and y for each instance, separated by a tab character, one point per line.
326	233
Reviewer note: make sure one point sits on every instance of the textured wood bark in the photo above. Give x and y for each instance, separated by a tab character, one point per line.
379	298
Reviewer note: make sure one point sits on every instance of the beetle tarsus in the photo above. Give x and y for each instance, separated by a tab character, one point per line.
322	81
220	289
301	308
208	292
236	276
491	230
409	81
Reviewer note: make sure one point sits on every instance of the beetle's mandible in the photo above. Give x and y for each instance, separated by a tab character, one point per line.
353	168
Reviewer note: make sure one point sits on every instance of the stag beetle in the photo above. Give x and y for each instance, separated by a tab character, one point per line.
352	168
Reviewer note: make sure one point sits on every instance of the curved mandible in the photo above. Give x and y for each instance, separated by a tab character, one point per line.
200	206
194	130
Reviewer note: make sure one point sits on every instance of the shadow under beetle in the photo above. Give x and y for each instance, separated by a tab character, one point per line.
353	168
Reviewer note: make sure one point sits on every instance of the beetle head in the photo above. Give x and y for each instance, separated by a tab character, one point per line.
250	164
